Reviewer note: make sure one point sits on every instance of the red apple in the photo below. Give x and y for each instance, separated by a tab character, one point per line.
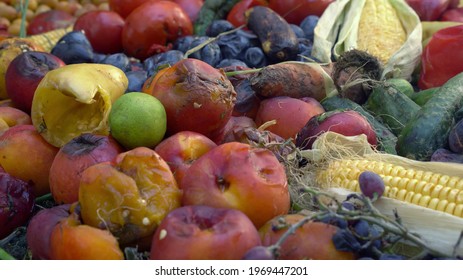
40	227
103	30
24	75
313	240
48	21
182	149
10	116
16	203
197	97
204	233
290	114
235	127
73	158
26	155
347	123
238	176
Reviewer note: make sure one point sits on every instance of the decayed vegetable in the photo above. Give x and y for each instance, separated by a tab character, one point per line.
294	79
431	125
388	29
276	36
76	99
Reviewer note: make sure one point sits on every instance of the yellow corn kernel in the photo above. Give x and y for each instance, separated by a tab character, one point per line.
435	192
49	39
403	182
443	194
380	30
442	205
409	197
452	196
458	210
459	185
419	187
450	208
411	185
393	192
424	200
416	198
433	203
401	194
427	189
443	180
452	182
459	198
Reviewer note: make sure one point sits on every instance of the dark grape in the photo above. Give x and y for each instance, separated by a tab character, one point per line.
308	26
136	80
366	232
153	63
183	43
74	48
371	184
335	221
298	31
255	57
233	45
345	241
98	57
230	62
119	60
218	26
211	53
347	205
259	253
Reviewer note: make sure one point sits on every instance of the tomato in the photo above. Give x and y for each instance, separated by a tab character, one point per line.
50	20
442	58
153	25
125	7
429	10
453	15
236	14
103	29
191	7
294	11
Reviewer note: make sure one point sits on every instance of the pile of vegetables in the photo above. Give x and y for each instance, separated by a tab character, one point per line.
357	117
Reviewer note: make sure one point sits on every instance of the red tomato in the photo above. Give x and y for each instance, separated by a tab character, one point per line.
49	20
442	58
191	7
453	15
294	11
236	14
125	7
150	27
429	10
103	29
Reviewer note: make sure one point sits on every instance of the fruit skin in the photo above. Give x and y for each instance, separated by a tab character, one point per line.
238	176
311	241
196	96
125	7
151	26
24	140
10	117
236	14
103	29
40	228
291	114
182	149
16	203
191	7
73	158
204	233
48	21
71	240
24	75
146	125
294	11
130	195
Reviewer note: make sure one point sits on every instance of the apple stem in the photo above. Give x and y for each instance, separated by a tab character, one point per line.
23	6
5	256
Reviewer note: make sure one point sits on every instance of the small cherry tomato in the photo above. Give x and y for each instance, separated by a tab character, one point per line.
103	29
152	26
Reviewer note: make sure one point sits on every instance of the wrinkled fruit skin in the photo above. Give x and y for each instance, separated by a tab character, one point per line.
196	96
16	203
71	240
204	233
40	227
129	196
311	241
73	158
236	175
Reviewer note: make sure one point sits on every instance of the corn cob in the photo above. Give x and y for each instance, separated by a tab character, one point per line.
49	39
380	31
424	188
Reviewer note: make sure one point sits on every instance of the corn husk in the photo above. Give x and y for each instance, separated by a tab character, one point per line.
337	32
440	230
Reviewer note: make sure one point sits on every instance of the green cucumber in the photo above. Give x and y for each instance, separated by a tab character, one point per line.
402	85
431	125
391	106
421	97
386	139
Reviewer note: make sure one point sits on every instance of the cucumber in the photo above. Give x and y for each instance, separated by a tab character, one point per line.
429	128
402	85
421	97
386	139
391	106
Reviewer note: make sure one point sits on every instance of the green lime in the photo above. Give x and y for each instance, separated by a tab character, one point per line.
138	120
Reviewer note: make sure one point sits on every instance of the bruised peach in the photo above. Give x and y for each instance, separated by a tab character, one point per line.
10	116
313	240
25	154
129	196
70	240
73	158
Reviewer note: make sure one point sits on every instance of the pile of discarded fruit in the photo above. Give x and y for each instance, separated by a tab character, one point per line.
155	129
